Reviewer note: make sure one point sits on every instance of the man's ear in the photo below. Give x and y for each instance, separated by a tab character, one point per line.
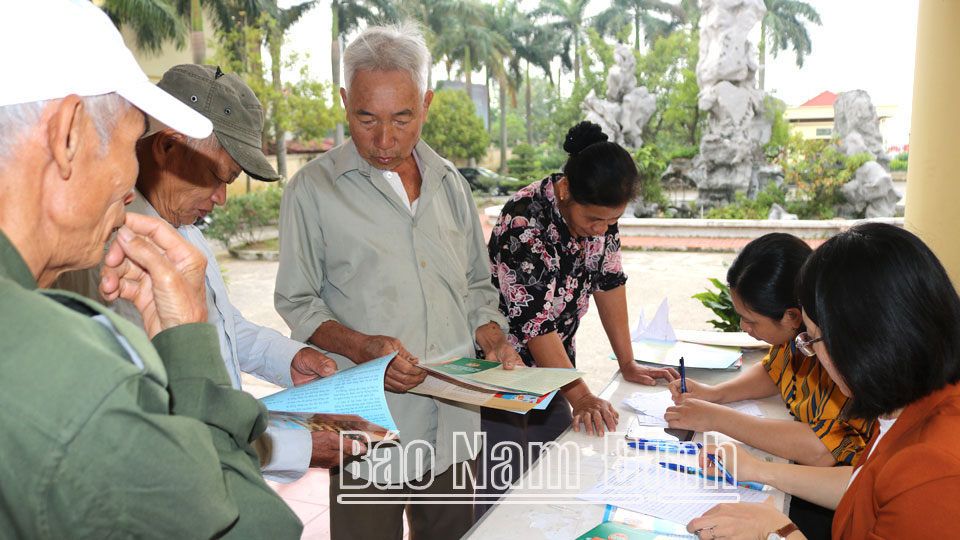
165	144
65	133
427	100
343	97
793	317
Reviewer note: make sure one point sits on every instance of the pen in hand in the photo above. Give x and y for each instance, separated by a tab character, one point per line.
699	472
683	377
713	459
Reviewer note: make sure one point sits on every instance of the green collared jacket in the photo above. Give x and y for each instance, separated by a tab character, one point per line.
96	446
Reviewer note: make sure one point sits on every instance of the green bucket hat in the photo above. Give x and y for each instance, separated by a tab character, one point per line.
232	107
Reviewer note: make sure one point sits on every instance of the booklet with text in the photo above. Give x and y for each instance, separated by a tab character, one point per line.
348	400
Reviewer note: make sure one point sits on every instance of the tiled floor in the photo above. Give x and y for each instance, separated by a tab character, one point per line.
309	499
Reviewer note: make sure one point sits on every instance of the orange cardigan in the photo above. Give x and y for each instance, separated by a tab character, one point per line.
910	486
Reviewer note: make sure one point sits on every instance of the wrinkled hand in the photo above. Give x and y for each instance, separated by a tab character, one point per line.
647	375
403	374
330	449
738	521
505	354
594	413
150	265
373	347
310	364
495	346
694	390
735	459
694	414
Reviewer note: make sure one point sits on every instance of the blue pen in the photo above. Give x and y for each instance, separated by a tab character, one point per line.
699	472
729	477
713	459
670	441
664	447
683	377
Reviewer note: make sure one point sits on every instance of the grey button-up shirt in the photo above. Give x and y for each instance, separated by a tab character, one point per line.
350	251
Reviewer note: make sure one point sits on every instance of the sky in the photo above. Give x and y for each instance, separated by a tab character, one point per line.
862	44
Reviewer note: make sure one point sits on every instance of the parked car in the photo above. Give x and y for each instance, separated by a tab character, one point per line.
487	181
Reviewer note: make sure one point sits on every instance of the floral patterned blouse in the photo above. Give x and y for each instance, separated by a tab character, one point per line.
546	276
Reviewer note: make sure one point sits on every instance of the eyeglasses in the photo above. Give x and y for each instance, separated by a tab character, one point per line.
803	342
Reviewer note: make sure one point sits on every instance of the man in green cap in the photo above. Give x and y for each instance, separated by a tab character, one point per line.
181	179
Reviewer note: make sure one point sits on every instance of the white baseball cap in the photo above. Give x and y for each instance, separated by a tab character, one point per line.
54	48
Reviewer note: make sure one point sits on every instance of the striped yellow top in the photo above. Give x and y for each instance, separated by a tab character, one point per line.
812	397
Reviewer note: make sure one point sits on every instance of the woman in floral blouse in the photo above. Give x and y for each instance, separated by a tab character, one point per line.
555	245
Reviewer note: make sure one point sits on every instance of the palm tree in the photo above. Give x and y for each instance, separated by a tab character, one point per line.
610	20
782	25
530	43
569	20
153	22
471	42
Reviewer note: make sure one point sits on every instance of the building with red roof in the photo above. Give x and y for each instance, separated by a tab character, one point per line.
813	119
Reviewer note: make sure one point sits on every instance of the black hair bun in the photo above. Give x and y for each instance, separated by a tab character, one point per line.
581	136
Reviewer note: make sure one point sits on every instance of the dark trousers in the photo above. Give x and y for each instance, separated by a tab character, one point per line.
385	521
524	429
813	521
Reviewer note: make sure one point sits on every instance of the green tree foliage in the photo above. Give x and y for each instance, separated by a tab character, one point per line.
668	71
744	208
651	164
516	129
818	169
240	220
524	164
568	18
153	22
814	171
782	27
641	16
453	128
899	163
780	130
301	107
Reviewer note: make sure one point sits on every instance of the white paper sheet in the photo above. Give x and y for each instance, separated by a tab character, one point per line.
651	407
658	329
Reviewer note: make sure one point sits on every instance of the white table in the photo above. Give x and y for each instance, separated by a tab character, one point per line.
543	504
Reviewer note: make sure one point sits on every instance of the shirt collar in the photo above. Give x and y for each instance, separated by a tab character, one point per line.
348	159
13	266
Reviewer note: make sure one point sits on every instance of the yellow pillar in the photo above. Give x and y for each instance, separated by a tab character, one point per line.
933	178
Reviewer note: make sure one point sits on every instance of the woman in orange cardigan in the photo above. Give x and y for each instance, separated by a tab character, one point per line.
884	320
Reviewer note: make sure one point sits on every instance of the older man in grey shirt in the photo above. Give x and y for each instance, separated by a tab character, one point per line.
381	250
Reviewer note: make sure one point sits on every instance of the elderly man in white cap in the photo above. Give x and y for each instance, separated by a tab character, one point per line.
181	179
107	434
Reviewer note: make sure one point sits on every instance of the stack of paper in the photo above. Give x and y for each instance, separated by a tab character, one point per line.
486	383
656	343
695	355
348	400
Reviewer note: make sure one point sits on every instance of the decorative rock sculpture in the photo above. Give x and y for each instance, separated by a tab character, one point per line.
870	193
731	147
627	108
777	212
858	126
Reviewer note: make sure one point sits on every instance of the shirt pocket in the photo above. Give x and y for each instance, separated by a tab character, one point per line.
452	261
